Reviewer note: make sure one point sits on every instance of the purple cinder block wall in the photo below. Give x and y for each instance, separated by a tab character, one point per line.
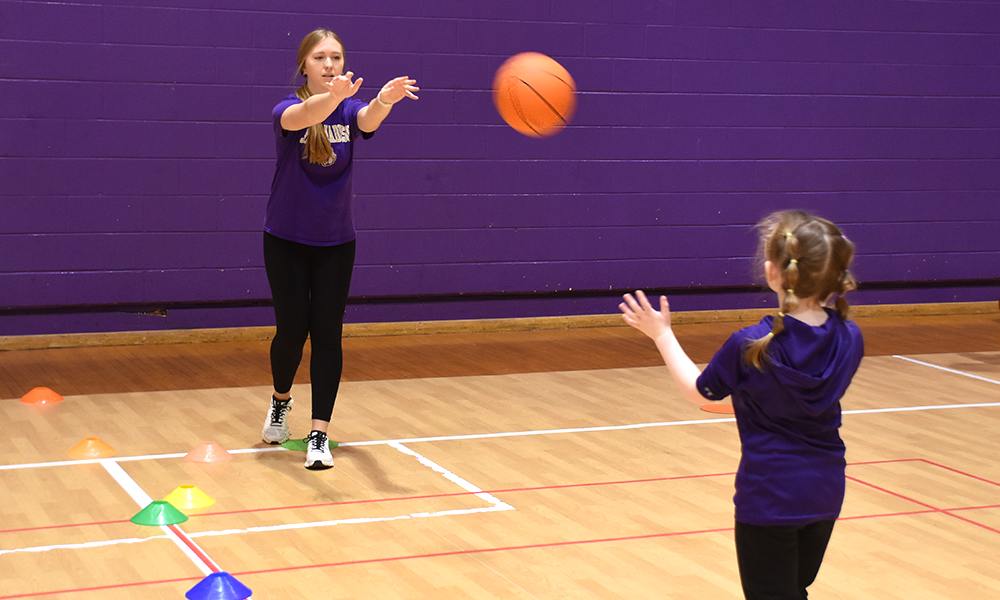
136	154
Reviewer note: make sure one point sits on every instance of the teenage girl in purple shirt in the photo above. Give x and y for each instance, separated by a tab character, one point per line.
786	376
309	236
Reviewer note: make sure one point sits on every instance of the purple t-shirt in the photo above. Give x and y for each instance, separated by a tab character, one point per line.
792	468
311	203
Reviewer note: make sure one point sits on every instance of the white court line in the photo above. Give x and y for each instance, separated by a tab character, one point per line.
84	545
465	485
933	366
505	434
143	500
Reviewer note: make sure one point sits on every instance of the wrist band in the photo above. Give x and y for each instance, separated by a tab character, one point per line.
378	97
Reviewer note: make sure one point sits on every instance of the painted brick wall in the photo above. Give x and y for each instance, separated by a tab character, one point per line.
136	154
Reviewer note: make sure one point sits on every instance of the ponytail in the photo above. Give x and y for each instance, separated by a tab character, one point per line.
317	147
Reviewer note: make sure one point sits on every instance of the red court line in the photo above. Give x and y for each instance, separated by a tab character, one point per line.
928	510
44	527
501	491
953	470
931	509
395	499
195	548
386	559
367	561
100	588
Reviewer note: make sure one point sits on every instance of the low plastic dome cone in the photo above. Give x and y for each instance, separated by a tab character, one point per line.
159	512
90	447
188	496
41	395
299	445
219	586
208	452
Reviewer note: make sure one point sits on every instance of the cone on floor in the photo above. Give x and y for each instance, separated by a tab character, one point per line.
41	395
90	447
219	586
299	445
208	452
188	497
717	408
159	512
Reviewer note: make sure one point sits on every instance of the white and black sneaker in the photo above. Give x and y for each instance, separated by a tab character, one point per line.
276	425
318	451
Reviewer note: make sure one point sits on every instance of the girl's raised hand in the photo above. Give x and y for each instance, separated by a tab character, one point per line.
397	89
342	87
639	313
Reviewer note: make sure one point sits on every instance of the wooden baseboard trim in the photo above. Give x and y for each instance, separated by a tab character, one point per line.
250	334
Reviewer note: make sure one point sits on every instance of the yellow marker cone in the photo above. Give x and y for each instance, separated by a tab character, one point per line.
90	447
188	496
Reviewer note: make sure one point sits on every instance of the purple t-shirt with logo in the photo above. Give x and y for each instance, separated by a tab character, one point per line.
311	203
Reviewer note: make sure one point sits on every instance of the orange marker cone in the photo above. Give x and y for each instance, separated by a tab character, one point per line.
188	496
41	395
208	452
90	447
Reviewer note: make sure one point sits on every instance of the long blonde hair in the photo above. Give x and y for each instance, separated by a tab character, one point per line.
814	257
317	148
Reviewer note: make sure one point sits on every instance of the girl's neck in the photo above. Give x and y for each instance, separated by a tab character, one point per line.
809	311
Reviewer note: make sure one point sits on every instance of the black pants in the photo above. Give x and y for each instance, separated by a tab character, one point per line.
309	286
779	563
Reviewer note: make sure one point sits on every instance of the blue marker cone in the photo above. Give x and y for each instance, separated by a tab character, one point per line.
218	586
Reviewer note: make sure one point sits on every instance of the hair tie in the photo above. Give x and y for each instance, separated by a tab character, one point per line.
790	291
788	234
781	314
794	261
770	334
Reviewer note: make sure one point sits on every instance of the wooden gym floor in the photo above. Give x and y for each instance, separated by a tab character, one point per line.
529	465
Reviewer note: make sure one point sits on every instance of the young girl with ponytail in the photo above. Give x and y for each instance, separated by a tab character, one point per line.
786	376
309	236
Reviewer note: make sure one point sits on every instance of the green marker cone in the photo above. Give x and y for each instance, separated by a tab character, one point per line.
159	512
300	445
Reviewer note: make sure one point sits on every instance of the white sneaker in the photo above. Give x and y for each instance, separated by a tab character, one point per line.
318	451
276	425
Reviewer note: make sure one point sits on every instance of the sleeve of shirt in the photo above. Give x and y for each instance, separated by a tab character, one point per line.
351	108
723	372
279	110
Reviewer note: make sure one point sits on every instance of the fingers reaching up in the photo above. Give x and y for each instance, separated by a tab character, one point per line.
397	89
639	313
342	87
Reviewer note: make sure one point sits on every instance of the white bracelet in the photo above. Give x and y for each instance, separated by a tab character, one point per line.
378	97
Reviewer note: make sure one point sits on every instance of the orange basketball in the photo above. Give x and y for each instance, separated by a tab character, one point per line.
534	94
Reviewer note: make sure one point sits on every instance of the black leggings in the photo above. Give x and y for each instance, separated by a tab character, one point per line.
779	563
309	286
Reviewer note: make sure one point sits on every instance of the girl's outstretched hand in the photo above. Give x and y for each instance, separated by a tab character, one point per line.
639	313
342	87
397	89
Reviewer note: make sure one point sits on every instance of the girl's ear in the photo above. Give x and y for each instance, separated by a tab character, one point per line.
771	272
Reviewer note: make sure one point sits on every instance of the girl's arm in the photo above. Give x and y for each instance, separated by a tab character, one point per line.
371	116
638	313
316	108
